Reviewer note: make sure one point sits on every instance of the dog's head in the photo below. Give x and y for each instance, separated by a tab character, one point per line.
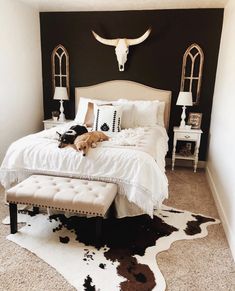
82	146
66	138
69	136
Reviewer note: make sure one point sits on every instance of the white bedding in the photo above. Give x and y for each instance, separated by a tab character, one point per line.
134	159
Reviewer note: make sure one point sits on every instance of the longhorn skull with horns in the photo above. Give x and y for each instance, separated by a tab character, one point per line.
122	46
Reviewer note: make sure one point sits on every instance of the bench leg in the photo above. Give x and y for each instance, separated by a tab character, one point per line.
13	217
35	210
98	230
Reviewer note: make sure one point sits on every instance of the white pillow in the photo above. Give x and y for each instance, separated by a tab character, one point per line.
128	120
160	113
108	118
144	113
83	108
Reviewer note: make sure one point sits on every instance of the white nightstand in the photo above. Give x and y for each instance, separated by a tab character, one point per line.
49	123
186	135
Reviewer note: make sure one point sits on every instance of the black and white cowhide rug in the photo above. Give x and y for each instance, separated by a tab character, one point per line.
127	258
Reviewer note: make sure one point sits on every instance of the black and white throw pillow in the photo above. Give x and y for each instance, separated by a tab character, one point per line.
107	118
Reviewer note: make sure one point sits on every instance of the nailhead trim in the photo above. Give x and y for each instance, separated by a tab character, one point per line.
57	208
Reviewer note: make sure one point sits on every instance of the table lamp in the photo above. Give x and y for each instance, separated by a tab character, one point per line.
61	94
184	99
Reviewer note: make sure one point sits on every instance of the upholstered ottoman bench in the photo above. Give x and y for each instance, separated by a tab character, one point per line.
89	198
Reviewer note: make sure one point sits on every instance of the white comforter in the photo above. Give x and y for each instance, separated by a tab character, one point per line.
134	159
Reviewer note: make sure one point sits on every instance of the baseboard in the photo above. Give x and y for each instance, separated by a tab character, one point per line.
228	231
185	163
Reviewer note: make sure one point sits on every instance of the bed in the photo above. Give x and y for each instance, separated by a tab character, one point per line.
134	159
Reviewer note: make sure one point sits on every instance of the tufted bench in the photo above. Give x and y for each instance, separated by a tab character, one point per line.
90	198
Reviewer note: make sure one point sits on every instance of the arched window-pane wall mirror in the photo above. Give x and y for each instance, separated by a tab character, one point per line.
60	67
192	67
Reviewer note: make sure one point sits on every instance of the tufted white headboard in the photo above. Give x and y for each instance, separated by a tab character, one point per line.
122	89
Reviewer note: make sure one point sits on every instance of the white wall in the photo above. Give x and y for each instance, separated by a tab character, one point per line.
221	162
21	103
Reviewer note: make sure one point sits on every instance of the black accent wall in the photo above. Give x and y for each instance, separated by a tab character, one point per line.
156	62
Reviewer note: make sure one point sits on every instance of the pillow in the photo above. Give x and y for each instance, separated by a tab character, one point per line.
160	113
85	112
89	118
127	120
144	113
107	118
82	110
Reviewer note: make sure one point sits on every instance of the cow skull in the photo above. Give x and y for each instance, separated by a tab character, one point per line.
122	46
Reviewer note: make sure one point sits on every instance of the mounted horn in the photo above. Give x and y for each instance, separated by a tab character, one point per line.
122	46
111	42
140	39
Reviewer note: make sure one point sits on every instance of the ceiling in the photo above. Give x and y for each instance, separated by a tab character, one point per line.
112	5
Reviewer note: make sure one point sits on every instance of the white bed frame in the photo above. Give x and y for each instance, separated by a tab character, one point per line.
122	89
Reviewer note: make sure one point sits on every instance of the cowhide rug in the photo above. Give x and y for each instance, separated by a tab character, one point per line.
127	258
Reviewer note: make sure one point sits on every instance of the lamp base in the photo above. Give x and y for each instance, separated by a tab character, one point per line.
182	125
183	115
62	116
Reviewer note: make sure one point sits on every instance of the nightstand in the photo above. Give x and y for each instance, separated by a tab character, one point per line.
186	135
49	123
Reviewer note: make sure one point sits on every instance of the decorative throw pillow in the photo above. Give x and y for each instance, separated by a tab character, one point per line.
107	118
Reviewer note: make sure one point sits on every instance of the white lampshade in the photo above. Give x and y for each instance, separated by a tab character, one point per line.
61	93
185	99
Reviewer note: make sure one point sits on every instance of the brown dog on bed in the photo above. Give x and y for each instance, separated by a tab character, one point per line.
85	141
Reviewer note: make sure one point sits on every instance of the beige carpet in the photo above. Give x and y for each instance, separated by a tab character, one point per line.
198	265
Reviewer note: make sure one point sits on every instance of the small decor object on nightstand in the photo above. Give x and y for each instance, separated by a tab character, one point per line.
55	115
184	99
61	94
195	120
